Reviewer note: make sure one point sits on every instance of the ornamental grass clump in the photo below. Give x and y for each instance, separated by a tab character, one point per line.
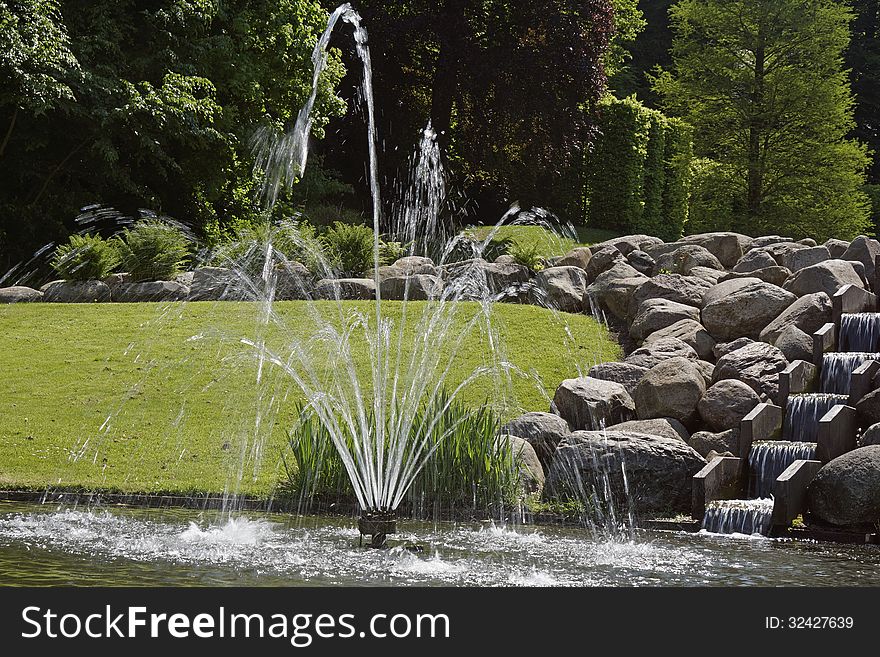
86	258
154	250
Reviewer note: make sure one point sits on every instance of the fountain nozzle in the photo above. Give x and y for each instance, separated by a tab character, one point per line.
377	525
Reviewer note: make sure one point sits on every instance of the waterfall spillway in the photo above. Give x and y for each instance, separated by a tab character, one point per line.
768	460
859	332
837	368
738	516
803	412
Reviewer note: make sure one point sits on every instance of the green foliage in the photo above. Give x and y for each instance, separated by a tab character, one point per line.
714	195
154	250
629	21
349	248
863	60
637	173
469	467
391	252
86	257
527	255
245	244
873	193
763	83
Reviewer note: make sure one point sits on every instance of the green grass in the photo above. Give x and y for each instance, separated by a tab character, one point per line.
546	243
175	389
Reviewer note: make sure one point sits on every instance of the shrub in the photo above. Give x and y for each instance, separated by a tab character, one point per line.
154	250
391	252
86	257
527	255
245	247
469	468
349	248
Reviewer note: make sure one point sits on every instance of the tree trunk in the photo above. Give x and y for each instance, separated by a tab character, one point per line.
755	199
8	132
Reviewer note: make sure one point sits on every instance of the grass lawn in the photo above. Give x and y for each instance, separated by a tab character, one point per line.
545	242
164	398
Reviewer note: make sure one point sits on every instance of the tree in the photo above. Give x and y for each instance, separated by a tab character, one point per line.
763	84
139	103
649	48
509	86
863	59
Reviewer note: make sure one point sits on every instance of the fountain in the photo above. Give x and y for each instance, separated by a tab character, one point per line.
837	368
803	412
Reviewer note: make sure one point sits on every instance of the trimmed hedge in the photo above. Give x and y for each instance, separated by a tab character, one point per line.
637	177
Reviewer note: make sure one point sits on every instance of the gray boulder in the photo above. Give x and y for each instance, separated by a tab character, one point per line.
685	258
543	431
725	404
795	344
587	403
614	288
665	427
416	287
688	290
531	469
214	284
19	294
827	277
602	260
711	276
507	280
625	374
836	247
658	470
410	265
797	260
782	250
564	288
628	243
724	442
659	350
768	240
577	257
870	436
723	348
869	407
150	291
726	246
775	275
689	331
846	490
743	308
757	364
346	289
707	370
75	292
865	250
641	262
656	314
754	260
808	313
670	389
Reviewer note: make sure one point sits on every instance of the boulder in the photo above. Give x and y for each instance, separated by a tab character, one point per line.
628	243
665	427
415	287
688	290
795	344
685	258
75	292
659	350
689	331
768	240
658	470
869	407
505	259
870	436
346	288
641	262
723	348
775	275
577	257
808	313
293	282
410	265
507	280
531	470
707	370
846	490
711	276
656	314
625	374
754	260
757	364
564	288
588	403
865	250
151	291
614	288
827	277
800	258
214	284
670	389
602	260
724	442
19	294
836	247
809	241
543	431
727	247
725	404
736	309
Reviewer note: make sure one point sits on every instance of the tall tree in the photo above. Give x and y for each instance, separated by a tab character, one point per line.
763	84
863	59
649	48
